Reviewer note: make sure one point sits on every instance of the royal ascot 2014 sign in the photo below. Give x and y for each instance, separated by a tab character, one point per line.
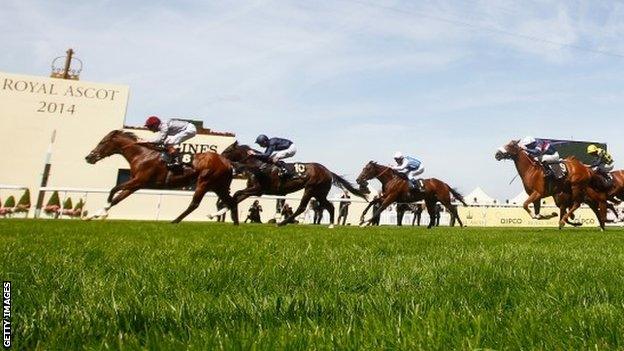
49	93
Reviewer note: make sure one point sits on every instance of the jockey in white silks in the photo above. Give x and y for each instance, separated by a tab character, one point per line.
171	133
410	166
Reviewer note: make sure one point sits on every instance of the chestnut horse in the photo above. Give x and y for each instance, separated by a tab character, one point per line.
210	171
616	194
568	193
395	188
263	179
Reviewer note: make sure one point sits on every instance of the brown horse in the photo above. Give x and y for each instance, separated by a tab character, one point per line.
616	193
263	179
395	188
210	171
568	193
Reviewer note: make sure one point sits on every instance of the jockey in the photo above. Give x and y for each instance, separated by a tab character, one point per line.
276	149
171	133
603	162
542	150
409	166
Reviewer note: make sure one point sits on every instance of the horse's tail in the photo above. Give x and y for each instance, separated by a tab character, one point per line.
344	184
457	195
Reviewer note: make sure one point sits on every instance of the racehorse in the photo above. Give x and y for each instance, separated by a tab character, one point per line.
210	171
616	193
263	179
568	193
395	188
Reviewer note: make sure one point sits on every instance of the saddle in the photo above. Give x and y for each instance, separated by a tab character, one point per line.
417	185
606	180
555	170
174	160
285	170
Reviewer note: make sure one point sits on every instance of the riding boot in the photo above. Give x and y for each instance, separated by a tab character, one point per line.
548	173
607	181
174	158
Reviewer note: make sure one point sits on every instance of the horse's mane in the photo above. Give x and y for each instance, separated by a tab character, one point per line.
237	145
129	135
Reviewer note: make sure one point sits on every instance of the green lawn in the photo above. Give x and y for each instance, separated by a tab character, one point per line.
132	285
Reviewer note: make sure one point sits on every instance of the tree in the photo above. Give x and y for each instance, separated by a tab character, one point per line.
10	202
54	205
68	205
54	200
23	205
25	199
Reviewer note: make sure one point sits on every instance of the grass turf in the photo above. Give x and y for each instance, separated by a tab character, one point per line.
134	285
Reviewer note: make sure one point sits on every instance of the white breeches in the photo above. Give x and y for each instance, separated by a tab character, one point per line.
176	139
605	168
282	154
411	175
554	158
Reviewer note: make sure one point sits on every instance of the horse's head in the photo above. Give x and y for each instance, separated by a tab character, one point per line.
236	152
368	172
509	151
109	145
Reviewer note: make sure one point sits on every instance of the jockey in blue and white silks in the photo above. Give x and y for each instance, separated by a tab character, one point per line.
540	149
410	166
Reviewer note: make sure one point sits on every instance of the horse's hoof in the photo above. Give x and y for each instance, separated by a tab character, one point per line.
210	216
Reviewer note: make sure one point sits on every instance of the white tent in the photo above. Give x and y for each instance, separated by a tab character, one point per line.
479	197
519	199
522	196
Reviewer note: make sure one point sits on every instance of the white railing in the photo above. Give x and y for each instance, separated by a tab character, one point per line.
387	217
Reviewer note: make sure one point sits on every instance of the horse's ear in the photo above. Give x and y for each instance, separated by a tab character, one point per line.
236	142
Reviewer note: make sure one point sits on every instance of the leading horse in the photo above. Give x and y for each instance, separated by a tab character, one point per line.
568	193
263	179
210	171
395	188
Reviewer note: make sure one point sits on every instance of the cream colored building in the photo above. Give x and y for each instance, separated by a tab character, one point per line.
58	122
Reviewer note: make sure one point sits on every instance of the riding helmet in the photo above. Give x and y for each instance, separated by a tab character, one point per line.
152	121
592	149
262	139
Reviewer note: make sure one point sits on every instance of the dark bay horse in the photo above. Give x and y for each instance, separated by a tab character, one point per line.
569	193
395	188
210	172
263	179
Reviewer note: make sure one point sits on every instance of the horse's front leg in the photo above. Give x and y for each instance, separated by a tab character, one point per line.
386	201
535	196
238	197
126	188
370	204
